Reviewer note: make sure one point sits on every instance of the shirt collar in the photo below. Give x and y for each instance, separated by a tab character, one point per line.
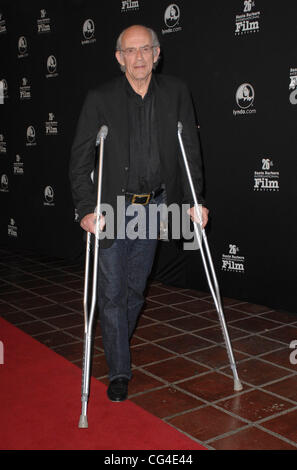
132	93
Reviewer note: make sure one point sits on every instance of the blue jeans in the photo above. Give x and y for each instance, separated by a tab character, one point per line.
122	276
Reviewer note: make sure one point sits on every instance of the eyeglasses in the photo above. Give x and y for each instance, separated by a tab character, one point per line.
132	51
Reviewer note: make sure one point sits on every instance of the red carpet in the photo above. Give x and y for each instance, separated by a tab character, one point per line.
40	406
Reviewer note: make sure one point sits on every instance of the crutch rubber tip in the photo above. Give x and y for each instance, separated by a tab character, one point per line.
83	422
237	385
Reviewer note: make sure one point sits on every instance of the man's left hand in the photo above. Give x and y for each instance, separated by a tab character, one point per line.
194	217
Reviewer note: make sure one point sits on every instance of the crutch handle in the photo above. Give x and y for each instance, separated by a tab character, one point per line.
103	131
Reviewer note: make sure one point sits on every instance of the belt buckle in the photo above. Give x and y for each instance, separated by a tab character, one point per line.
147	196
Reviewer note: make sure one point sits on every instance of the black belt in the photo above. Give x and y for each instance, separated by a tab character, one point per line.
143	198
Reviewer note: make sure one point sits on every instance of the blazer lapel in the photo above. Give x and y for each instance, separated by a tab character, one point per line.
120	121
165	117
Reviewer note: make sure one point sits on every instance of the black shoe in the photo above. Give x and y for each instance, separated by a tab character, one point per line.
118	389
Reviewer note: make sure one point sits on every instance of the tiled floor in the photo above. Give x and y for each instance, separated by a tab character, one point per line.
181	369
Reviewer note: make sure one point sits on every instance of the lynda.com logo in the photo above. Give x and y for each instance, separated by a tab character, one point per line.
88	29
3	90
171	16
51	64
4	183
22	45
48	196
245	96
171	19
31	134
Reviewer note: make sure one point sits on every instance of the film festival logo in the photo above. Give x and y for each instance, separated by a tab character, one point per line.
245	96
171	19
43	23
129	5
232	262
3	28
51	65
49	196
51	126
88	30
22	47
293	86
18	166
4	184
248	20
25	90
12	229
31	136
266	179
3	148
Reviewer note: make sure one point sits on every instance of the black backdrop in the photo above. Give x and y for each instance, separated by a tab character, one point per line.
49	61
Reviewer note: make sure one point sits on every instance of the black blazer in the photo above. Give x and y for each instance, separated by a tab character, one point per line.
107	105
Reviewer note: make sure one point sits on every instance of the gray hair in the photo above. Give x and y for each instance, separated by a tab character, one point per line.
155	43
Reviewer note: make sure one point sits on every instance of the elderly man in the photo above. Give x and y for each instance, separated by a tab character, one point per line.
141	158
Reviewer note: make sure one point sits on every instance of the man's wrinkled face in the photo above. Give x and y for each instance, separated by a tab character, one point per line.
137	55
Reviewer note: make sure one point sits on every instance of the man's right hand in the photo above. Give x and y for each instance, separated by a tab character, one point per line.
88	223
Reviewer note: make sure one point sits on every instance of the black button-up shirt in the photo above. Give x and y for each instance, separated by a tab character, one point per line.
144	169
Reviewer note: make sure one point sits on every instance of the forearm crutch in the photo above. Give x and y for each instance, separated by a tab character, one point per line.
89	315
207	262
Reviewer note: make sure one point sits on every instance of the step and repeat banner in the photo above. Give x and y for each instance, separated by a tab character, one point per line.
239	61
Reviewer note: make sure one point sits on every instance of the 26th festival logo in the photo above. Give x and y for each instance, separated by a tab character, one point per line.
3	147
129	5
51	125
12	229
18	166
266	179
248	20
43	23
233	262
3	28
25	89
